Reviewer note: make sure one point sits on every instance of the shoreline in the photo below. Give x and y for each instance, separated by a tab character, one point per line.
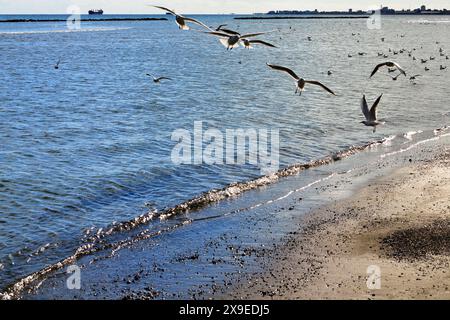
397	225
138	262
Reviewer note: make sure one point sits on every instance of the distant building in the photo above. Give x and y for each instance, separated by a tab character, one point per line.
350	10
386	10
423	8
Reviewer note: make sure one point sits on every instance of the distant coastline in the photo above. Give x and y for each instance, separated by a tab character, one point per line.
282	17
383	10
85	20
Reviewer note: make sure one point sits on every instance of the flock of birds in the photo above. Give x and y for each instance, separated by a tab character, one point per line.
232	39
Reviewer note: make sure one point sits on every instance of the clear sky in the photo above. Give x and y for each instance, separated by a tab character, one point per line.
207	6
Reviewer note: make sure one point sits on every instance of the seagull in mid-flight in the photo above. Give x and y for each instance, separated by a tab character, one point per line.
389	64
181	20
231	41
370	115
300	83
159	79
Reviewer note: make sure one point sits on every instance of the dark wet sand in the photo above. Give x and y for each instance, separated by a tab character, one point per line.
399	223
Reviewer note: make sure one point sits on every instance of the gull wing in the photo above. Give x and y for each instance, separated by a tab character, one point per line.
373	110
220	27
399	68
252	34
284	69
196	22
378	67
263	43
365	108
219	34
163	78
317	83
165	9
234	33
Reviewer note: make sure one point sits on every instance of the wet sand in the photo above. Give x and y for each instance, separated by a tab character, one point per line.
399	223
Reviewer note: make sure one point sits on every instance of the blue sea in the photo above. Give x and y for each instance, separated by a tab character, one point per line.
88	145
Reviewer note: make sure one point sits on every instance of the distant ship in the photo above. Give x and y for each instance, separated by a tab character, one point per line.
100	11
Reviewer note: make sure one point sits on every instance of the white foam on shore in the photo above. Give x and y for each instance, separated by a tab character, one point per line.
410	134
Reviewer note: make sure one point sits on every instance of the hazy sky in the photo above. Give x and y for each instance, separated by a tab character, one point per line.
206	6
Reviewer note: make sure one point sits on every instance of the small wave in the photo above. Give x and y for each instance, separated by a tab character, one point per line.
439	133
410	134
388	141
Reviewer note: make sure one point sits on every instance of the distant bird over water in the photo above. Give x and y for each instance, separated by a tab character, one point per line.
389	64
412	78
300	83
57	64
370	115
181	20
159	79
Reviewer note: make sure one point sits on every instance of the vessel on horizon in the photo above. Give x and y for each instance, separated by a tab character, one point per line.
99	11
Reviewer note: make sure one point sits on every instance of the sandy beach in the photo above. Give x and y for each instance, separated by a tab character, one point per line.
398	223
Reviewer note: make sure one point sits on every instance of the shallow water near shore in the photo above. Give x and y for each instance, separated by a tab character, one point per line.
89	144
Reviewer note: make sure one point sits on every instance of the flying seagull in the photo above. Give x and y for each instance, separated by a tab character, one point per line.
248	43
412	78
370	115
158	80
181	20
390	65
232	41
300	83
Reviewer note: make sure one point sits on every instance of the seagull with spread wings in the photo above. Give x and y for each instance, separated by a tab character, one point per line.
159	79
181	20
299	82
370	115
414	77
232	41
388	64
